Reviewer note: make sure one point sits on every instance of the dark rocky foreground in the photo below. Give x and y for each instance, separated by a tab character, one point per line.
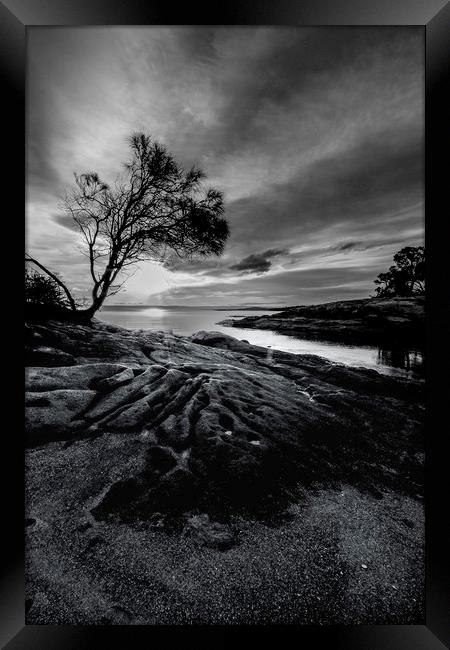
373	321
206	480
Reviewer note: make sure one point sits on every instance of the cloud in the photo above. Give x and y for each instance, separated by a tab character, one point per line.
201	265
315	135
258	263
66	221
347	246
295	287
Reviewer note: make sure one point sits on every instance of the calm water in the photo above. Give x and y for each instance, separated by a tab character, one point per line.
187	320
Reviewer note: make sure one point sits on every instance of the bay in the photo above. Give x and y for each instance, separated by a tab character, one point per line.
187	320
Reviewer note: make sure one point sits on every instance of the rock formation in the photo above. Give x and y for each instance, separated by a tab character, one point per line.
392	321
132	431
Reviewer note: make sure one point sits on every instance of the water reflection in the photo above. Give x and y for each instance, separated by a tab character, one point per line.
186	321
409	360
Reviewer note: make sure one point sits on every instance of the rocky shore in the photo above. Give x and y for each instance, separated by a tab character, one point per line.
202	479
373	321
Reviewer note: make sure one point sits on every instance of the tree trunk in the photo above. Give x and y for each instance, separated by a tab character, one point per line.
98	299
95	306
105	283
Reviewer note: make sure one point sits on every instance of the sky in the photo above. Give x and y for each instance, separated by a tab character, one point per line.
314	135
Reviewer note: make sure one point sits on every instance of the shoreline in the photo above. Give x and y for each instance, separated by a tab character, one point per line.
393	322
201	452
389	357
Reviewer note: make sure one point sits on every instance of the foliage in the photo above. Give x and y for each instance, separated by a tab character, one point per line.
406	277
154	208
43	290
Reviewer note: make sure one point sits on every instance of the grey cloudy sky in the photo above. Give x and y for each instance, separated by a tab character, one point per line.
315	136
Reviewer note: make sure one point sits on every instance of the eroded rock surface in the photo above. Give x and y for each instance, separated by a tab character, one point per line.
241	429
153	457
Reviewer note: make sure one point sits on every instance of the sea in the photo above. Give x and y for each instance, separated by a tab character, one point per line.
187	320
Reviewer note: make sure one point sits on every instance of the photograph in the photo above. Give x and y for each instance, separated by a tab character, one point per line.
225	394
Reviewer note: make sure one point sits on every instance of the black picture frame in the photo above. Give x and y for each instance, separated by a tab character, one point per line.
434	15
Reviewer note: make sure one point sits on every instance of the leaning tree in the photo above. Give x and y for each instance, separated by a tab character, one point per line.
155	207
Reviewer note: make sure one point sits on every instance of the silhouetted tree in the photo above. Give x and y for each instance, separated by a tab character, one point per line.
406	277
154	207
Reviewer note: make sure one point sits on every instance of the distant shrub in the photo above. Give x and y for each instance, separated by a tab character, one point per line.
43	290
406	277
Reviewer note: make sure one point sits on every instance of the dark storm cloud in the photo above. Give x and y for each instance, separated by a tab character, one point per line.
252	264
192	265
259	262
66	221
347	246
219	267
215	267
